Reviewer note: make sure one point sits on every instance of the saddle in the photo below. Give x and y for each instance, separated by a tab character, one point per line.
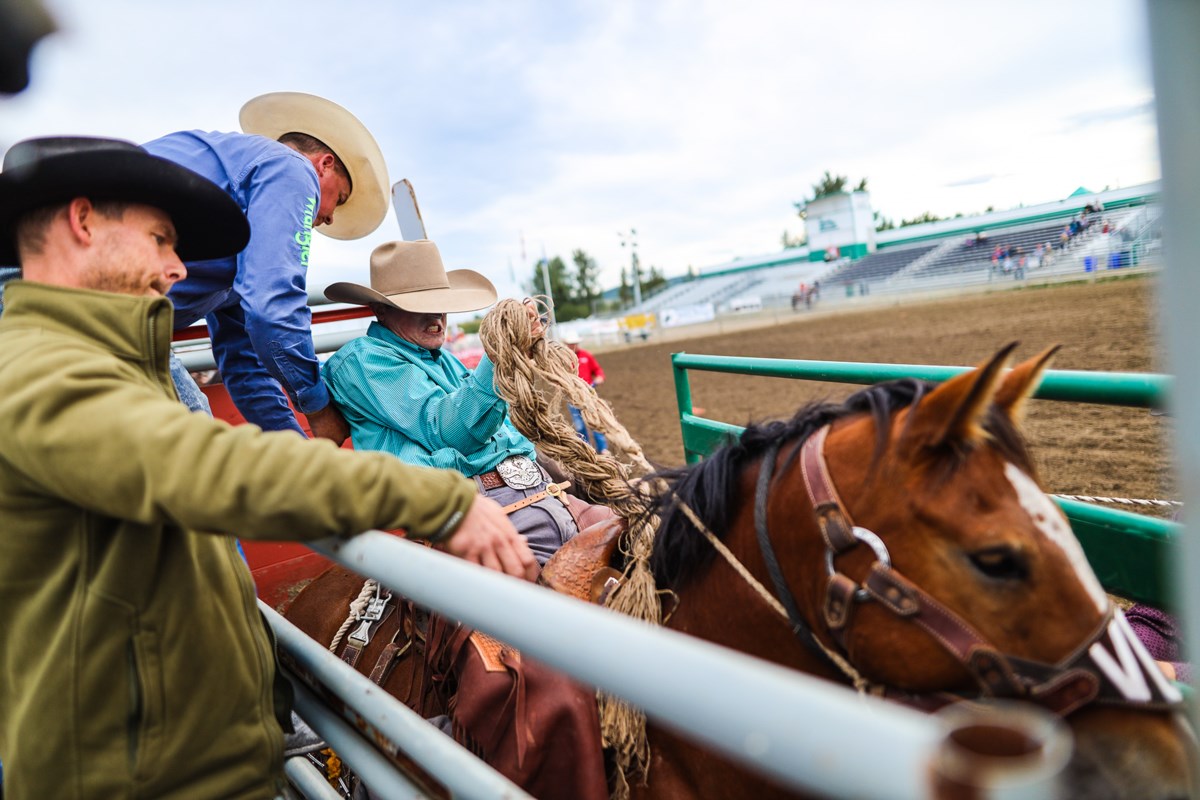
536	726
582	568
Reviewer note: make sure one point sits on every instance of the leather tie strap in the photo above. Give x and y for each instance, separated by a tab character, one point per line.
992	670
555	490
357	642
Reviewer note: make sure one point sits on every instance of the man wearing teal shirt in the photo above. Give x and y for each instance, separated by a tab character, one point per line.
402	394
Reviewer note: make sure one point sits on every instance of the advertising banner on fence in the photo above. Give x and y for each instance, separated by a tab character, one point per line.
592	330
637	322
746	303
687	315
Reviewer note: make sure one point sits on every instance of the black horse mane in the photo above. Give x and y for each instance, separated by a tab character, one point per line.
709	486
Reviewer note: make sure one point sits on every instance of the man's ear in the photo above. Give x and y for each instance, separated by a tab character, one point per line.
80	214
325	162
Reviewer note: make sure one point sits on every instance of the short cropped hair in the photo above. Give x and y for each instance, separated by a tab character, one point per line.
32	227
311	145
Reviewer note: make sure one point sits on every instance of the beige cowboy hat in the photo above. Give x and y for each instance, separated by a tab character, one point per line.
410	276
275	114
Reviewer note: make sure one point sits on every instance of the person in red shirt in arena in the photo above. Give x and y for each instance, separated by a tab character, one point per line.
589	370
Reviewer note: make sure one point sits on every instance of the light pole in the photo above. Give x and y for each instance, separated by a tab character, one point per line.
633	261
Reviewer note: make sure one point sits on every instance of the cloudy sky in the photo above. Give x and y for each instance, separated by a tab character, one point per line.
562	123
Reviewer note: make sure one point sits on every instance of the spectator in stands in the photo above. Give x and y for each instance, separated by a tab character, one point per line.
591	373
403	394
1006	262
1035	260
797	298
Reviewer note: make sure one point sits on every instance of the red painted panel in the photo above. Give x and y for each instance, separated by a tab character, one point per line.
278	568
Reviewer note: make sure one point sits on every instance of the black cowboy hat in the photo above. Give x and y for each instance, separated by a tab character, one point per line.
47	171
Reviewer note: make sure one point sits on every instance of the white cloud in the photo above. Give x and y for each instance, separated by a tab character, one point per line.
697	123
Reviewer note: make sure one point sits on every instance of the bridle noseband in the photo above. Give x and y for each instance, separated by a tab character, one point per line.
1110	666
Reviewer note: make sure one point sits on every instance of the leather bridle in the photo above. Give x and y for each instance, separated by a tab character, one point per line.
1109	666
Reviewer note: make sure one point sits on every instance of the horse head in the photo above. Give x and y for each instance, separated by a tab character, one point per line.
907	538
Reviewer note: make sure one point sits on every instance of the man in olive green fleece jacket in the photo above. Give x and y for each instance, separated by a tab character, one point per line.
133	662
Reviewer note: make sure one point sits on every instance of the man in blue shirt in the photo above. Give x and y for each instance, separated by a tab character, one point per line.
301	162
402	394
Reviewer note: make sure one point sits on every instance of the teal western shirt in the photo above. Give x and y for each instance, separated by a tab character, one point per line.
424	407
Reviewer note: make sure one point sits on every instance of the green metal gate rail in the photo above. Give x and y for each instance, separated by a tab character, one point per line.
1129	552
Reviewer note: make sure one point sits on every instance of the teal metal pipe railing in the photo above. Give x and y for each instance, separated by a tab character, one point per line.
1139	390
1130	552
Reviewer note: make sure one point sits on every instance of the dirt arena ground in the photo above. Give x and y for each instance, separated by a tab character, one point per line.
1080	449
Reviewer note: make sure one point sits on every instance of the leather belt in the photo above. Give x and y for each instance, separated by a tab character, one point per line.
491	479
556	490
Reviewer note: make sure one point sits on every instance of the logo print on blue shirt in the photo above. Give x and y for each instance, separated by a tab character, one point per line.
304	235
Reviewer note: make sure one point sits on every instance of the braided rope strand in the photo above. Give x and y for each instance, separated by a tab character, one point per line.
533	377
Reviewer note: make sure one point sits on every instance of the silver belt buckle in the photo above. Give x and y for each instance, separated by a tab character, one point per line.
519	472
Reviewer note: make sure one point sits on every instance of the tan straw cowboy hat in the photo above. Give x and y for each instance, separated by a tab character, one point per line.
410	276
275	114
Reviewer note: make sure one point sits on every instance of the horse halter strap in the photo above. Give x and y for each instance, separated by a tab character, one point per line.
1110	666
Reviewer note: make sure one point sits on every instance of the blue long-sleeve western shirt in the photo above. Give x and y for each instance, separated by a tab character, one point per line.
256	303
425	408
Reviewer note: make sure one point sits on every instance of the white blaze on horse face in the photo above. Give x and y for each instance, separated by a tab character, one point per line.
1049	520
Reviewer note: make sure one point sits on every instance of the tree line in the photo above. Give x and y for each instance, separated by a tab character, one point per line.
575	288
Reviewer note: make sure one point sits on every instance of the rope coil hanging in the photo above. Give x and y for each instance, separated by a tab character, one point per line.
534	378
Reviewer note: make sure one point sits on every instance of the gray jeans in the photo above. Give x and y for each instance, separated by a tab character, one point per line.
189	392
546	524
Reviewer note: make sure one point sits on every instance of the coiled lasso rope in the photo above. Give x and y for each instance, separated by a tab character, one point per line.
534	377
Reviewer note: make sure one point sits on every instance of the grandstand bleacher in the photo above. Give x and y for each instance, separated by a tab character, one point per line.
879	265
940	256
710	290
976	253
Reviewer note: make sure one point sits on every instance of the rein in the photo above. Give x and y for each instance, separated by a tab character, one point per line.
799	627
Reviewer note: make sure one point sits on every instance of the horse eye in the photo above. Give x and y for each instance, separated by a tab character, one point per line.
1002	563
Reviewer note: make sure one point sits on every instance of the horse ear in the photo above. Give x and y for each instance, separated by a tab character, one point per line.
1021	382
954	411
